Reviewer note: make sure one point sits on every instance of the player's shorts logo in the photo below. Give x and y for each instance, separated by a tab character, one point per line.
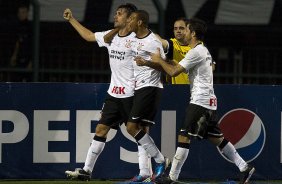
245	130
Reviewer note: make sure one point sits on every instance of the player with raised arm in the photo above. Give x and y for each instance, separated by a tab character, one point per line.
118	102
200	113
148	88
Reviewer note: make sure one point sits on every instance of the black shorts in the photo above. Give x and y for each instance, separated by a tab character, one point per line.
115	111
195	114
145	105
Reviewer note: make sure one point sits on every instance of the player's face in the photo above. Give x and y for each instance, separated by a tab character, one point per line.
23	13
133	22
120	18
180	30
188	34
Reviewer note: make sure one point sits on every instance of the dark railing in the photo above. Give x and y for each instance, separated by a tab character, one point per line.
60	55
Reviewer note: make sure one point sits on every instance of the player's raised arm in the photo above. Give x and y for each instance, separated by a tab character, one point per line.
164	42
84	32
110	35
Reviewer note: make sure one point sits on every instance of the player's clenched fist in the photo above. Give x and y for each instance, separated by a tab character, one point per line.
67	14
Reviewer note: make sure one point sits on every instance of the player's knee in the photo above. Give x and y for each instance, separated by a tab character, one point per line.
184	138
215	140
102	130
132	128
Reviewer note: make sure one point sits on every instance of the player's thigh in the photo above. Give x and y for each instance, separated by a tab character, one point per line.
192	115
125	108
111	113
145	105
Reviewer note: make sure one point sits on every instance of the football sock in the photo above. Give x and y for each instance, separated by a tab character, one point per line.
148	144
178	160
97	146
230	152
144	162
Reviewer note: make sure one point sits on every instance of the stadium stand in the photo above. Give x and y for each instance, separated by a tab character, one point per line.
245	54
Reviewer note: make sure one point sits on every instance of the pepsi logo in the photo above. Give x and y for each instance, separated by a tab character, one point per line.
245	130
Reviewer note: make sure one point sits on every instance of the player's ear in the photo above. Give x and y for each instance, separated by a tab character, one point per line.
193	34
139	22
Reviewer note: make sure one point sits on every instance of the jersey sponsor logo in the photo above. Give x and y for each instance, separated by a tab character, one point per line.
118	90
213	102
119	55
245	130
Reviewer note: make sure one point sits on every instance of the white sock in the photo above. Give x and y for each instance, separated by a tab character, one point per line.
230	152
148	144
144	162
93	153
177	163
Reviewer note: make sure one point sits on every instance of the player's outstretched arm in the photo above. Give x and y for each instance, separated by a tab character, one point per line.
171	69
110	35
142	62
84	32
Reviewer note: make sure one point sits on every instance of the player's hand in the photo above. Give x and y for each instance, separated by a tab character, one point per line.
67	14
156	57
140	61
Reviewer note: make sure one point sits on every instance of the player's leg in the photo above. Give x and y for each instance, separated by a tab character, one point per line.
144	161
228	149
146	102
96	148
145	164
94	151
110	113
194	125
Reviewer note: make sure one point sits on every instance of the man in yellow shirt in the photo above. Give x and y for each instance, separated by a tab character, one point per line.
176	48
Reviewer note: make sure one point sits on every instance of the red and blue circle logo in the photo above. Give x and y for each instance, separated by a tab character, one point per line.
245	130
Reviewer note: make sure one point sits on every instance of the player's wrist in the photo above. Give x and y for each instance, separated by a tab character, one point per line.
71	19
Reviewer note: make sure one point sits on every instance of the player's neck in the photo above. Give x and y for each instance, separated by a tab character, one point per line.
123	32
142	32
183	42
194	43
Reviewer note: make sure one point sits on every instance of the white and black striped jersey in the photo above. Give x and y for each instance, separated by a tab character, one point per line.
198	62
121	64
144	75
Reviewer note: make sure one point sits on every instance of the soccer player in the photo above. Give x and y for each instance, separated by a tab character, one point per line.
118	102
199	121
148	88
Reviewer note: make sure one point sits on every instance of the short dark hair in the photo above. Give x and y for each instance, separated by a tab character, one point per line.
144	16
185	20
129	7
199	27
23	5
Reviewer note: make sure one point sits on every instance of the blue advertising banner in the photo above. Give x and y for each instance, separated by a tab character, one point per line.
46	128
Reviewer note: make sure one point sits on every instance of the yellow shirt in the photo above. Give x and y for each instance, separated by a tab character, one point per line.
177	52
